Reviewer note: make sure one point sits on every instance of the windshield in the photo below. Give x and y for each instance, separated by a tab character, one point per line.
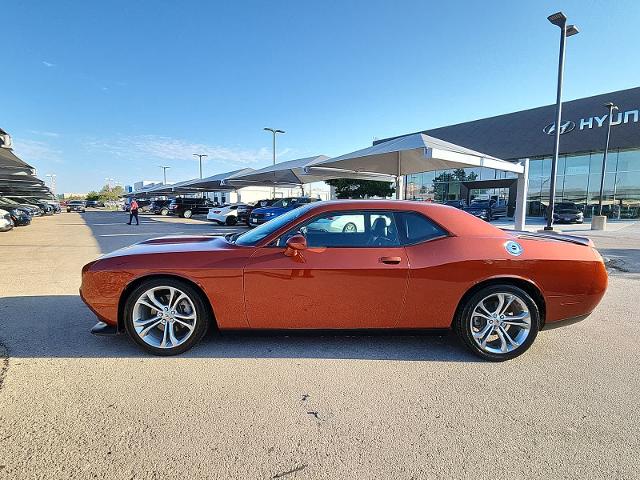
285	202
8	200
252	237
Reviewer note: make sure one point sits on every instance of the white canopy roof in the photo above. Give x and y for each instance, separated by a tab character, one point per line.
412	154
214	182
295	172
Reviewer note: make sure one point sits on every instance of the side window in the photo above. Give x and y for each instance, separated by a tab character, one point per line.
416	228
348	229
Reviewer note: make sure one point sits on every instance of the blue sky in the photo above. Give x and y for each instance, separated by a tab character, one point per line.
95	90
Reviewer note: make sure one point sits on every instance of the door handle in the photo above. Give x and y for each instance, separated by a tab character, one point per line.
390	260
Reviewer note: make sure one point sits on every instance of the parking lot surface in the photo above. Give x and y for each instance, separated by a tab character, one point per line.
306	406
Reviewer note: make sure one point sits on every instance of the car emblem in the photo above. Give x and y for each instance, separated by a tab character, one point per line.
565	127
513	248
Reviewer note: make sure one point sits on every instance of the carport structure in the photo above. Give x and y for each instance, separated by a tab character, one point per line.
196	185
418	153
297	173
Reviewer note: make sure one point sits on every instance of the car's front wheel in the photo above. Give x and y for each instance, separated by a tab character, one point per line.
166	316
498	322
231	220
187	214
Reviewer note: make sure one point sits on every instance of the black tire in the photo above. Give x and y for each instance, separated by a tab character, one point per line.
462	322
187	213
164	212
203	316
231	221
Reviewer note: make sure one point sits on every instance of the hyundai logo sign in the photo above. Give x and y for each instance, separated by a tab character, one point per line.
565	127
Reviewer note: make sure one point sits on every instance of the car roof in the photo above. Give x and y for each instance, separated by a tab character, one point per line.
454	220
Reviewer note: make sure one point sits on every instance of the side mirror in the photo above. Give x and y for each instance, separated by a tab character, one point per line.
295	245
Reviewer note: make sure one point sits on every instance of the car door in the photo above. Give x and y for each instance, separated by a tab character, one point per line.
343	280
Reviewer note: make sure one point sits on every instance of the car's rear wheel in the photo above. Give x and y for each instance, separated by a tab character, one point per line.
166	316
498	322
231	220
164	212
187	214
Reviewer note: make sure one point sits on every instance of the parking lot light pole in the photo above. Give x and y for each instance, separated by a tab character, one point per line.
274	131
611	108
560	20
200	155
164	173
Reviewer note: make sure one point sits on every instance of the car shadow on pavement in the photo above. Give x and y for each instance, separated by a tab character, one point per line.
58	327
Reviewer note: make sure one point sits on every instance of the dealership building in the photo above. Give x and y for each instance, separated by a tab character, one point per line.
530	134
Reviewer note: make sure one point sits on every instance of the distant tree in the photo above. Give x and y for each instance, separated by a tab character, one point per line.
108	193
348	188
93	195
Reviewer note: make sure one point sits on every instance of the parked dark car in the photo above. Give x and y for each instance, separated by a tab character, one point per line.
487	209
159	207
44	207
94	204
76	206
187	207
456	203
244	211
32	210
20	216
567	212
143	205
264	214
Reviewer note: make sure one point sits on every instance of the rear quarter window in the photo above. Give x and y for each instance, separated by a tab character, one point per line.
414	228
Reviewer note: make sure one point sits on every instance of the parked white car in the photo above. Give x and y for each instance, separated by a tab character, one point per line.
227	214
5	221
342	223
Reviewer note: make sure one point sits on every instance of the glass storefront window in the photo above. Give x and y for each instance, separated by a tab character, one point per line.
596	162
628	160
577	165
594	193
575	188
535	168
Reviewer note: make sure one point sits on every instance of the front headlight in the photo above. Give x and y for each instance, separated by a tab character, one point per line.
484	212
270	214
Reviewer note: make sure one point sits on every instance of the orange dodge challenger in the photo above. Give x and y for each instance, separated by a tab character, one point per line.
352	264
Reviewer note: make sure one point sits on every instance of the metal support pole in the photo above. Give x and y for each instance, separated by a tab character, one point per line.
556	146
521	196
611	107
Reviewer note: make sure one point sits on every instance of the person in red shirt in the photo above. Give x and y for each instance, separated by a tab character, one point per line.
133	211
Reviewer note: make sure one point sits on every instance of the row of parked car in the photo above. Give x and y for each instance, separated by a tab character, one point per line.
20	211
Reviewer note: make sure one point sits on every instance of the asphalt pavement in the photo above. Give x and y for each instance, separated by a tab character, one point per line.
302	406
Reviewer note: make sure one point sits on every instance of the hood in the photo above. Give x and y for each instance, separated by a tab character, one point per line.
477	207
174	244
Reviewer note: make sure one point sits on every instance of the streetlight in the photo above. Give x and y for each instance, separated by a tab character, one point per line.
560	20
52	182
164	172
200	155
611	108
274	131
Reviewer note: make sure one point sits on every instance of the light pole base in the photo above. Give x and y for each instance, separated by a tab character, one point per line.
548	229
599	222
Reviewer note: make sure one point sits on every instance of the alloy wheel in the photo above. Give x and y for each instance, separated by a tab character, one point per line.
500	323
164	317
